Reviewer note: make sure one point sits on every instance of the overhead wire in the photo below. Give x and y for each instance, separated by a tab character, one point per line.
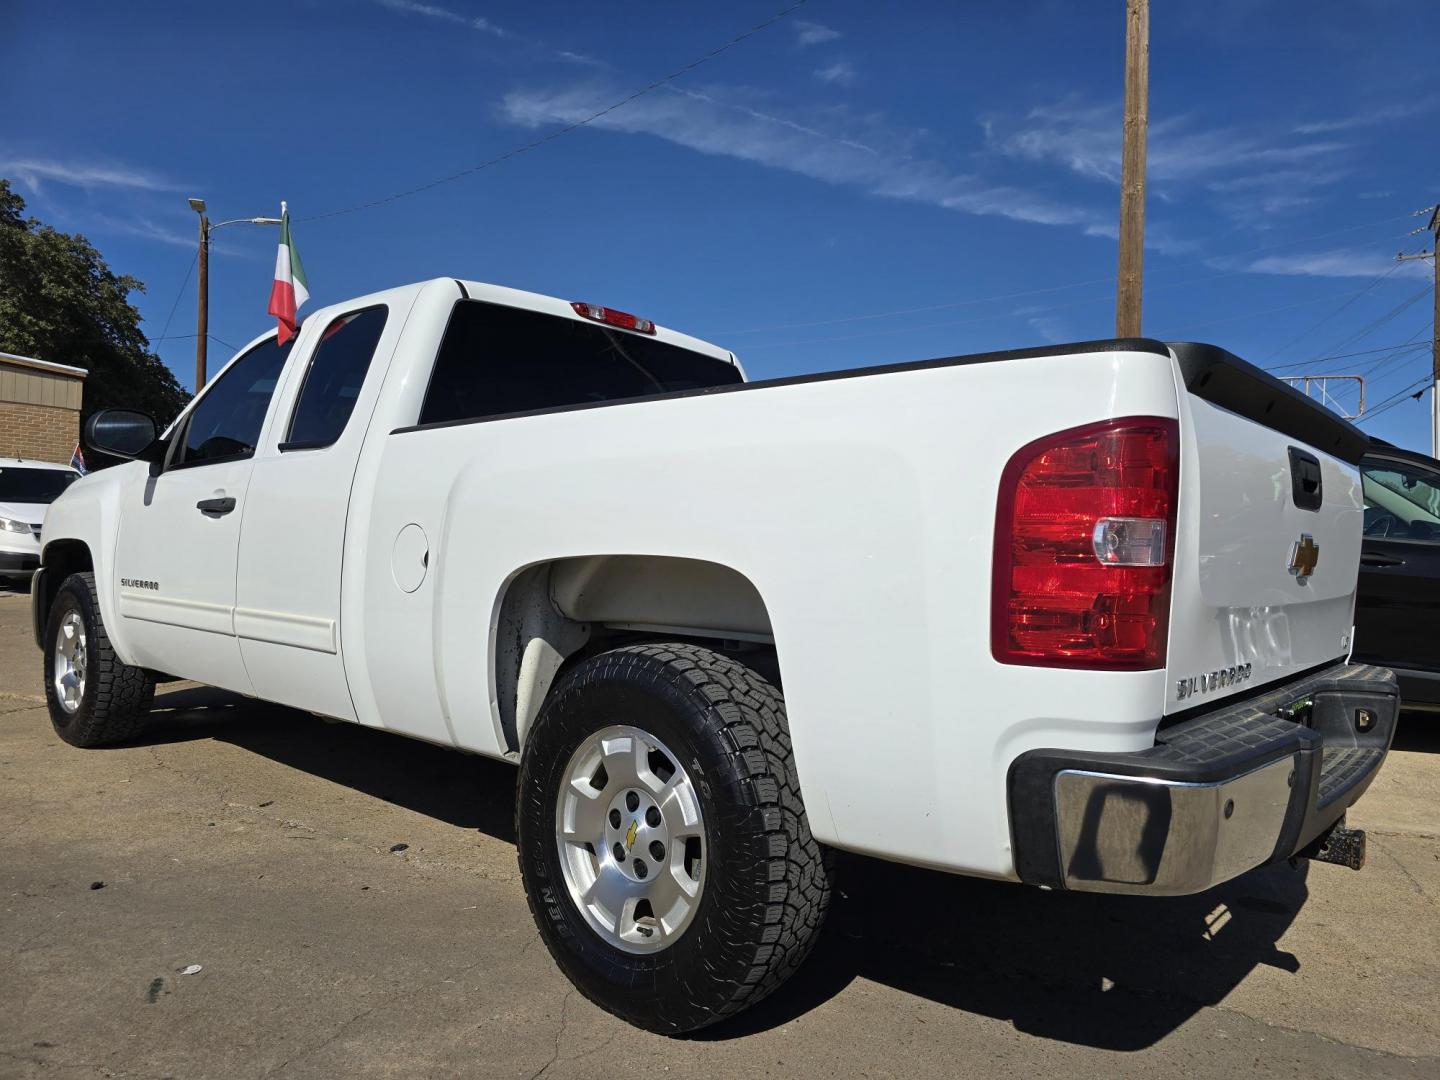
1054	288
535	144
1390	315
1397	398
179	293
1331	314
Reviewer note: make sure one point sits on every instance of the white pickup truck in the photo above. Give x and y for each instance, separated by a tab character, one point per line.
1077	616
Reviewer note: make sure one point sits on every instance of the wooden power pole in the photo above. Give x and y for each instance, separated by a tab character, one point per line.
1433	228
202	318
1435	336
1132	169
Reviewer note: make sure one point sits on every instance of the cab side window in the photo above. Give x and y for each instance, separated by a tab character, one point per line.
1402	500
333	381
225	424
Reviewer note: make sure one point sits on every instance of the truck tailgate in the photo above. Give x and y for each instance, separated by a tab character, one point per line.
1268	539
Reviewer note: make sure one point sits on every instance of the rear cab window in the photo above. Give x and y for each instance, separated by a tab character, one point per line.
496	360
334	378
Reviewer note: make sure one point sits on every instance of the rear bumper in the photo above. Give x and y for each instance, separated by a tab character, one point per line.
1220	792
1419	689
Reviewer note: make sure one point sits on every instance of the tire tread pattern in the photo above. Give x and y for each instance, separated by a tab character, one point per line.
119	696
794	871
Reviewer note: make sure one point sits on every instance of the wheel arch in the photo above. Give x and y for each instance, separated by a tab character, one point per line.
551	614
59	559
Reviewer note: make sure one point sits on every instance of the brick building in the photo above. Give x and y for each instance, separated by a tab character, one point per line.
39	408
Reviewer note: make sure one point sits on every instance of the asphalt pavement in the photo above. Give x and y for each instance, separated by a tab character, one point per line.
249	891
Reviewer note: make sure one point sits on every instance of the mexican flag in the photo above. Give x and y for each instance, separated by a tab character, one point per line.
288	293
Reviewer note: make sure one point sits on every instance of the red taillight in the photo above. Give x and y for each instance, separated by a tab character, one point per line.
1084	541
623	319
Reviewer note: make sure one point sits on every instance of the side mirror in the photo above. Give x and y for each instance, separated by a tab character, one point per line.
121	433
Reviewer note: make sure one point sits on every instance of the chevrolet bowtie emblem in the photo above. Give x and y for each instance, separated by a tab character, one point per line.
630	836
1304	557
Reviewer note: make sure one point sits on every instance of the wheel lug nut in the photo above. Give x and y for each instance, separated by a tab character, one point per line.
620	853
657	850
652	817
632	801
614	819
640	870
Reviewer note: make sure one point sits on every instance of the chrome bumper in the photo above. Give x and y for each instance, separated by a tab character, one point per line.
1167	837
1219	793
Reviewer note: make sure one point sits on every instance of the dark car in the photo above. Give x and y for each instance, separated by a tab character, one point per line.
1397	610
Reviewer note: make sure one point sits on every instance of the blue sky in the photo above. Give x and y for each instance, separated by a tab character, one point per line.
858	183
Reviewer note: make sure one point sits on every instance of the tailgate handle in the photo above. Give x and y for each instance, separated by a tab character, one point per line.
1380	560
1305	479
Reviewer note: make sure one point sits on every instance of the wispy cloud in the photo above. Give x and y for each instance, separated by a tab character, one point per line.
1049	328
840	147
443	14
1085	138
1370	117
1336	264
34	172
813	33
147	228
581	59
841	73
1247	173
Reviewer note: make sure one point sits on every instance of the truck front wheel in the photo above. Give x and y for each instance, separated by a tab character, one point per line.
94	698
662	841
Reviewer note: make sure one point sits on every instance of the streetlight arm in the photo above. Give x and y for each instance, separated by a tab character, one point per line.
247	221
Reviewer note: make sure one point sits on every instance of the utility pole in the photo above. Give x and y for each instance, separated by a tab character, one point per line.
202	318
1132	169
1433	228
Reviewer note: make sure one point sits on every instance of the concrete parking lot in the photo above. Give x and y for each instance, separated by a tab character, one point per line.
352	902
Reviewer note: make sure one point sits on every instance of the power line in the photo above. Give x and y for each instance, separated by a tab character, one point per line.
1344	356
1396	398
165	329
192	337
1393	313
1052	288
561	132
1330	315
1055	307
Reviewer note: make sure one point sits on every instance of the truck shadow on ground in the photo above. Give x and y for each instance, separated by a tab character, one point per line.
1118	973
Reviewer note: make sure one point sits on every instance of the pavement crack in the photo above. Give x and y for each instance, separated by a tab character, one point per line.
32	1058
1414	882
1307	1033
559	1035
390	999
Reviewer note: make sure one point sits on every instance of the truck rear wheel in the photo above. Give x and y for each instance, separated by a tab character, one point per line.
662	841
94	698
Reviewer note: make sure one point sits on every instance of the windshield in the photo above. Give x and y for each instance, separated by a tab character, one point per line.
24	485
1402	500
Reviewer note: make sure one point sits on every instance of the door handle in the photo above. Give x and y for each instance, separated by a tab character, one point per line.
216	507
1380	560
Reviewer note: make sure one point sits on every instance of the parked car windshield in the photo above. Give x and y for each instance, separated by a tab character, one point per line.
20	484
1402	500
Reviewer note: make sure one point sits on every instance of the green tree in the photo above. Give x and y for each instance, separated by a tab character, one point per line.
60	301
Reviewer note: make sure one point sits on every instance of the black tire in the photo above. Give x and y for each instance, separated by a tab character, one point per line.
116	698
766	879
